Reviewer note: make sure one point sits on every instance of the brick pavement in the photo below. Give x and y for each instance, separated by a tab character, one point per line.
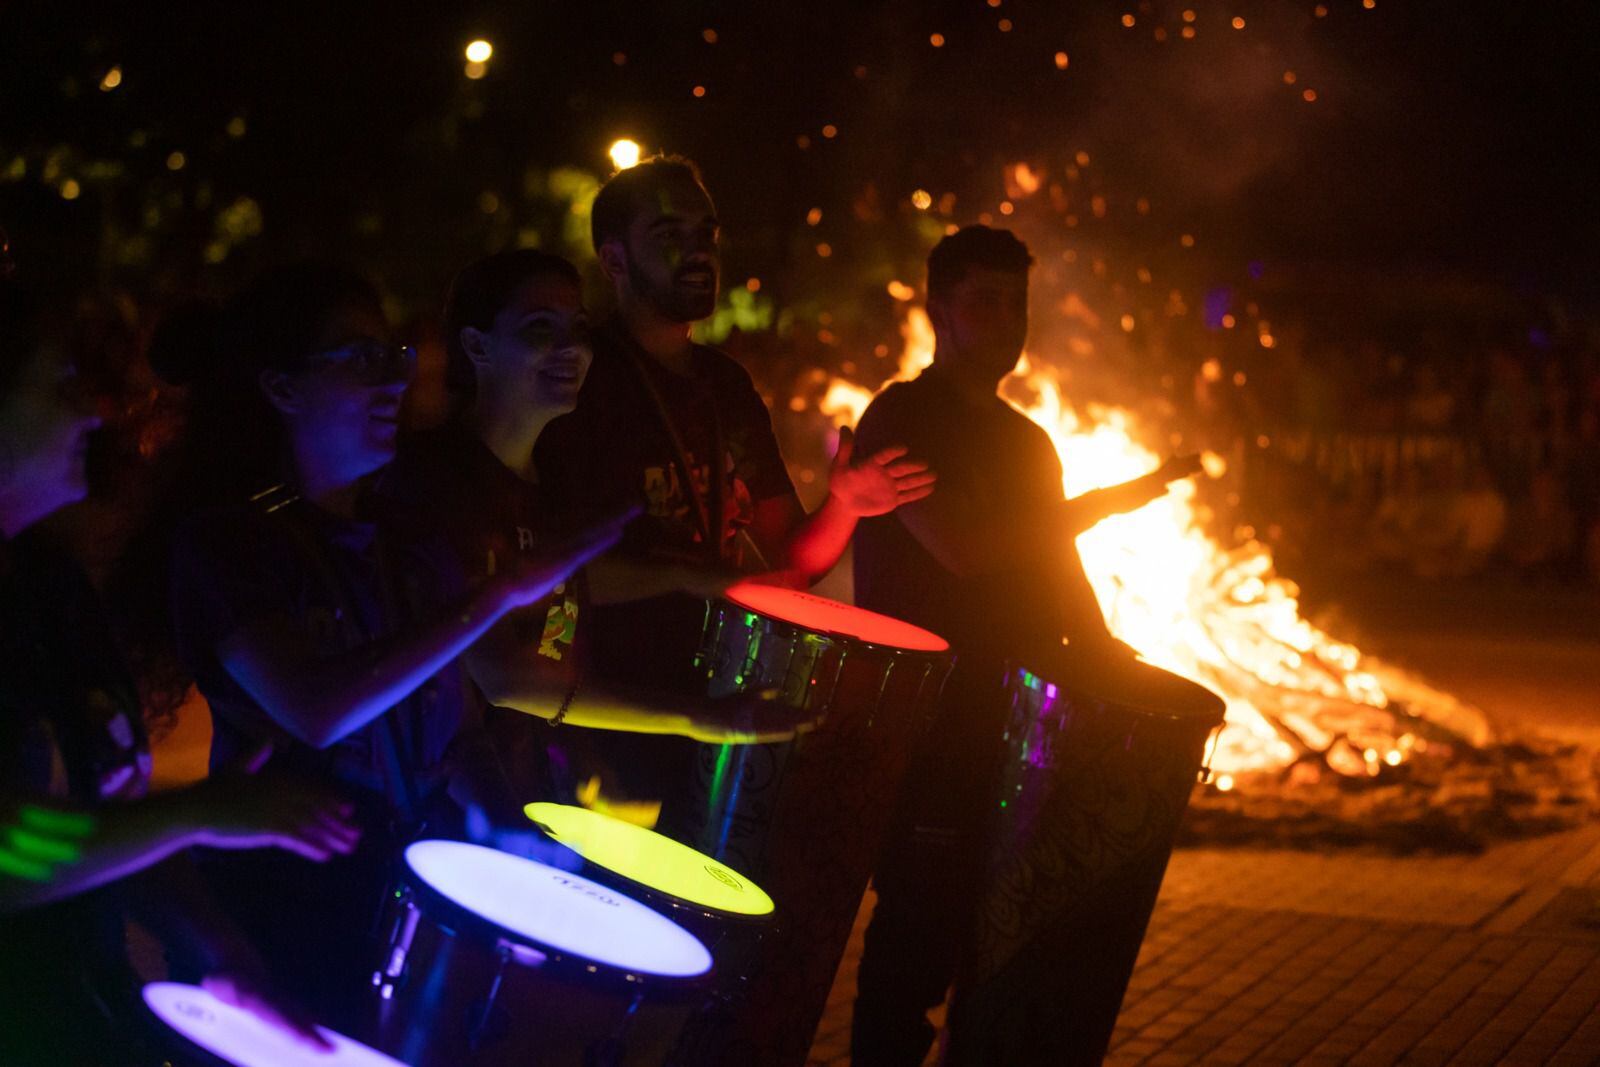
1267	957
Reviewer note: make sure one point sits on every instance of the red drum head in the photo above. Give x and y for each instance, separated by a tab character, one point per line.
829	616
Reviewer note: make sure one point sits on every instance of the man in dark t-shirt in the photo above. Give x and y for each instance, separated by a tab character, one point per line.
987	561
679	428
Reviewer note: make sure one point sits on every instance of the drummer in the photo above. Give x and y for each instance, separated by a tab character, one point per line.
75	766
680	427
517	337
988	562
311	625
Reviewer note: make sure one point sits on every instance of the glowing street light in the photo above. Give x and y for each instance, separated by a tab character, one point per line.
479	51
624	153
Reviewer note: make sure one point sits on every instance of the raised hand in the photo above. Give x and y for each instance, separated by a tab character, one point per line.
877	484
1177	467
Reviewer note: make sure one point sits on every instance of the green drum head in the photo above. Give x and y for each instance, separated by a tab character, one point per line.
651	860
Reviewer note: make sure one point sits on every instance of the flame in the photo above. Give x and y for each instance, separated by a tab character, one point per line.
1219	616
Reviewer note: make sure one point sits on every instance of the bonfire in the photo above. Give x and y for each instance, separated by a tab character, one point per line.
1321	741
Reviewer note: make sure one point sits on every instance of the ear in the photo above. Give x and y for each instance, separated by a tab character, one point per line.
613	260
281	391
937	315
475	344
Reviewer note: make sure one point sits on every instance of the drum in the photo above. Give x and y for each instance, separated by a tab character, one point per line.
804	817
689	887
1100	759
231	1035
495	959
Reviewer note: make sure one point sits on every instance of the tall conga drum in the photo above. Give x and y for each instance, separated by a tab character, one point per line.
804	818
1100	759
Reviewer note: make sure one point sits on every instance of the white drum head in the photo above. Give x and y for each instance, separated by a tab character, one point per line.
245	1041
557	910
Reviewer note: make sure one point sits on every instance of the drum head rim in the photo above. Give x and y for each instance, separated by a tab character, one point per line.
656	893
459	920
1211	715
935	644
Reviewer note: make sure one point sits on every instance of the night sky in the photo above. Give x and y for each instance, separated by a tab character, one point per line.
1444	139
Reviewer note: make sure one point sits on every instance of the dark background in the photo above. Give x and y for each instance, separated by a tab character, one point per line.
1446	138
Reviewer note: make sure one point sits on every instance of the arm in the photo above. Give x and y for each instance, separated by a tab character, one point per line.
617	579
969	538
811	544
320	700
49	851
1086	509
518	679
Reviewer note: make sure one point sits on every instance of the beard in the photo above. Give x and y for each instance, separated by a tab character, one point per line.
680	304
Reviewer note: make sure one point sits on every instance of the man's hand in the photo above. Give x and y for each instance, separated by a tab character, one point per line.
247	988
1177	467
878	484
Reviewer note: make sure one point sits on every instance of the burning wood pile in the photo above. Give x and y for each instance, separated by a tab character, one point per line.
1323	744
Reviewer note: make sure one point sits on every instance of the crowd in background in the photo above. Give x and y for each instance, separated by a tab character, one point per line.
1440	463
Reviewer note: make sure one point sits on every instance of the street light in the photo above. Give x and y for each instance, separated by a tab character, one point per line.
625	153
479	51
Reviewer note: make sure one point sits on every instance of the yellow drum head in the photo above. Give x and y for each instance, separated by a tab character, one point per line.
651	860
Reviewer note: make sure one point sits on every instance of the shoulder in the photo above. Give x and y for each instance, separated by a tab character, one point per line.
725	371
902	407
422	465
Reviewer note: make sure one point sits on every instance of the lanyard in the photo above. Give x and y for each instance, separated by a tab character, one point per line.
707	512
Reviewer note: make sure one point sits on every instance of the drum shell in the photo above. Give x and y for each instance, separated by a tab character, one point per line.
546	1010
1095	780
803	818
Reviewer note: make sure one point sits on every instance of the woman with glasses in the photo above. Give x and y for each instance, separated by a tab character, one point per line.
309	622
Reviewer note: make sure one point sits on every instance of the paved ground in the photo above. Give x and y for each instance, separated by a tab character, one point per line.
1258	956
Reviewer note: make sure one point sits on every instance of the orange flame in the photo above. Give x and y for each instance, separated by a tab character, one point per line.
1219	616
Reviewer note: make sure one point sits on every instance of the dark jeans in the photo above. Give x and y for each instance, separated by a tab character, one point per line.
929	875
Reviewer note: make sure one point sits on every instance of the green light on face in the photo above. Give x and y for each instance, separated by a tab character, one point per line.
59	823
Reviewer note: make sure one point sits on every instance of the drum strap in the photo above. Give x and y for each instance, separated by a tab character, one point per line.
707	511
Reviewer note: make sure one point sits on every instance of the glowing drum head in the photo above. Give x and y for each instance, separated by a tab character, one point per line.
821	615
652	860
245	1041
556	911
